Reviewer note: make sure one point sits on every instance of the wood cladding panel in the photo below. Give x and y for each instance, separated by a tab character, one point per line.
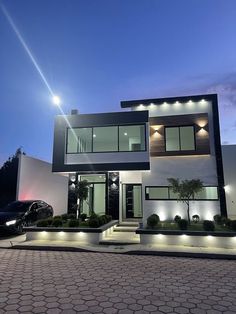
201	130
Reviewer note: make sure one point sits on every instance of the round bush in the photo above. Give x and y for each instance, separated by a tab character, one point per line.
153	221
225	221
64	217
83	217
42	223
102	220
195	218
57	222
208	225
57	217
183	224
93	221
71	216
233	225
109	218
177	218
73	223
218	219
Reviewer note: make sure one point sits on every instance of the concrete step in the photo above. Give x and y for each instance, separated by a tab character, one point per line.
119	228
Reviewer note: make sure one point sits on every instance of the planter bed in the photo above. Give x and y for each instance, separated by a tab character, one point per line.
81	235
212	239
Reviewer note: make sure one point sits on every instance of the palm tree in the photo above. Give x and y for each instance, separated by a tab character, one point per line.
185	190
81	190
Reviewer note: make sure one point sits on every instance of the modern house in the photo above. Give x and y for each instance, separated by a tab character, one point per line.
128	156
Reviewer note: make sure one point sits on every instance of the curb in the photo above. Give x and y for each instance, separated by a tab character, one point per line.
135	252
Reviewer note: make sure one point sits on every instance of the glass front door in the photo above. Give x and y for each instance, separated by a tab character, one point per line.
96	201
132	201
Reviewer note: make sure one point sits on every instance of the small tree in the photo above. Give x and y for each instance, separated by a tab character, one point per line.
81	190
185	190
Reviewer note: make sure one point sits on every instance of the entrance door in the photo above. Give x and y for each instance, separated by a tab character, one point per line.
132	201
96	200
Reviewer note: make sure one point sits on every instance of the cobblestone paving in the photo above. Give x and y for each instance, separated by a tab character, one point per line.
65	282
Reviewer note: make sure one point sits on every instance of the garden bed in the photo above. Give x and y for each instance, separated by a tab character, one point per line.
79	234
210	239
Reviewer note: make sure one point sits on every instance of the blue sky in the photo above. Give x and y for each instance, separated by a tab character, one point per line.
96	53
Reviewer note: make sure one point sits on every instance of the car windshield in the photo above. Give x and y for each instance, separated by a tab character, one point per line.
16	207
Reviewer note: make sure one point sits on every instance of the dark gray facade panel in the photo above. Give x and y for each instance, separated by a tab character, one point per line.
93	120
101	167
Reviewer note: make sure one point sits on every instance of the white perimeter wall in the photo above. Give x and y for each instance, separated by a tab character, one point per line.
229	164
36	181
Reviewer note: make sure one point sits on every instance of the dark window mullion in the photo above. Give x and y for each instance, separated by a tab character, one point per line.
180	148
92	140
118	138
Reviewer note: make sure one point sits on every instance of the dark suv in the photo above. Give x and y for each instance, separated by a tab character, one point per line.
19	214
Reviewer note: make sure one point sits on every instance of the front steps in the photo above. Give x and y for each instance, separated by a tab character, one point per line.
123	234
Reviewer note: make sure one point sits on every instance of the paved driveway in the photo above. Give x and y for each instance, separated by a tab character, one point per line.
65	282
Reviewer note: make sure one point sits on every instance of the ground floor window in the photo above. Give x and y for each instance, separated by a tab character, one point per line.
209	193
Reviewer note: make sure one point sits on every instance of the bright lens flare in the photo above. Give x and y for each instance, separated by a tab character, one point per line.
56	100
23	43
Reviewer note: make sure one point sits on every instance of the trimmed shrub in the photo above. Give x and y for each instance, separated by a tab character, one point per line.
102	220
83	217
233	225
57	222
177	218
183	224
208	225
71	216
73	223
57	217
226	221
42	223
50	220
109	218
93	221
153	221
195	218
218	219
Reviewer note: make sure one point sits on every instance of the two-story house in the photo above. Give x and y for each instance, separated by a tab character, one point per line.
128	156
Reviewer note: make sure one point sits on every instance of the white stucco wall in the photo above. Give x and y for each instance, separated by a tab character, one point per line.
36	181
201	167
229	164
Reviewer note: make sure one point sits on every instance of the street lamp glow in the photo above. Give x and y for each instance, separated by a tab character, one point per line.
56	100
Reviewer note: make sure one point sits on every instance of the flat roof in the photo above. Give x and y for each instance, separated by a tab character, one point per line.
158	101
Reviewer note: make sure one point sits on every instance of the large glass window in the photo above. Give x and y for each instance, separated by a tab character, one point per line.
208	192
132	138
165	192
79	140
160	192
180	138
105	139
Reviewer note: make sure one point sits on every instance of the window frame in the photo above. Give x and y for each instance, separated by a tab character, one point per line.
118	139
181	126
175	199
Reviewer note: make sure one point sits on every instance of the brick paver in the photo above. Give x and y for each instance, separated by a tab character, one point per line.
67	282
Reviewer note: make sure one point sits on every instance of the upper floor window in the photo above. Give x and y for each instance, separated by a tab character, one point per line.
132	138
79	140
106	139
180	138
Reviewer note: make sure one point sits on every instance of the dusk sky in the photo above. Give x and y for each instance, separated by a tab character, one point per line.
95	53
